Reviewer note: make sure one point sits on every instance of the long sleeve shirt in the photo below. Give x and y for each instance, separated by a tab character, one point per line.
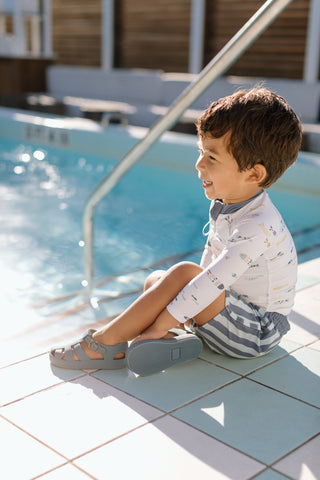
250	250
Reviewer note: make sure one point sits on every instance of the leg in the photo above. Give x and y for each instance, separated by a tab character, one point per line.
211	310
160	288
153	278
152	352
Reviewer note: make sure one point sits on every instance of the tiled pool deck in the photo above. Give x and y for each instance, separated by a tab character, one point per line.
214	418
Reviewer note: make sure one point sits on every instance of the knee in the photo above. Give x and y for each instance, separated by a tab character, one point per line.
153	278
184	271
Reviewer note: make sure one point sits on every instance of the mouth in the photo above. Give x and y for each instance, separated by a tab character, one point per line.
206	184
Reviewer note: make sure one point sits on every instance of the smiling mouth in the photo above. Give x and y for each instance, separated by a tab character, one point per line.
206	184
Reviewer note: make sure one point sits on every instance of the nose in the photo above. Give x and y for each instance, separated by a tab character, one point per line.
200	162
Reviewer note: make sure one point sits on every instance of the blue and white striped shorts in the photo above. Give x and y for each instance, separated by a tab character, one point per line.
242	330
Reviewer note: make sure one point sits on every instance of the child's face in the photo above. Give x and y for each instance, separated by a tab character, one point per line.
220	172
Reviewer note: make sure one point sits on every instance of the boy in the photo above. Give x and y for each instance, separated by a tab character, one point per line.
238	299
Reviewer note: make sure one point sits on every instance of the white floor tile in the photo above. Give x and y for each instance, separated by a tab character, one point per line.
168	449
172	388
304	319
315	346
80	415
302	464
67	472
255	419
22	457
246	366
25	378
297	375
270	475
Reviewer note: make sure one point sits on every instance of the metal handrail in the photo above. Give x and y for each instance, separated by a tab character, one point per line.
218	65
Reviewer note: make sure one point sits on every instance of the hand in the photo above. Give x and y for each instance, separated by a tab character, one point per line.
159	328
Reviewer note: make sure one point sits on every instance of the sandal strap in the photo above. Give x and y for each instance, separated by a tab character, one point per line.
95	346
105	350
108	352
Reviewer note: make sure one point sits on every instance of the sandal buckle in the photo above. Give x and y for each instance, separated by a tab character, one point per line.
93	345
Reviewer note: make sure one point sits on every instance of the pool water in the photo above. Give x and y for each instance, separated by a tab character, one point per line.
151	214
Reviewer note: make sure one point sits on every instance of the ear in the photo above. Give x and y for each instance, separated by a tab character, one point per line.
257	173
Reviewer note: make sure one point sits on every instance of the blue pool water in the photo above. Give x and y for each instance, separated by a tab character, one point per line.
151	214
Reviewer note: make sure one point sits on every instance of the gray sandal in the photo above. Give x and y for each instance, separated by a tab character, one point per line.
107	363
153	356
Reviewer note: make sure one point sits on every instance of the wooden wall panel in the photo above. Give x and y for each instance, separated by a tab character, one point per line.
279	52
22	75
155	35
152	34
76	29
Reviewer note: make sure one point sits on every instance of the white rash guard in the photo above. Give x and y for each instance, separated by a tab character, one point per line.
250	250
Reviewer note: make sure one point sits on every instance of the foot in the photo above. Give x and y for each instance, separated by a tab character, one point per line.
93	354
149	334
82	354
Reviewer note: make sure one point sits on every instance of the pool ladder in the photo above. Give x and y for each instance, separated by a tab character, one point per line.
218	65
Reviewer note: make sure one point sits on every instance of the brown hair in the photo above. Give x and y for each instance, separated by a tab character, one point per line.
264	129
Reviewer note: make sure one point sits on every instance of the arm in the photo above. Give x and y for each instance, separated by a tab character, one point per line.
242	248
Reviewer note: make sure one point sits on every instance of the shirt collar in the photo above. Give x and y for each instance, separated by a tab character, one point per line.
218	207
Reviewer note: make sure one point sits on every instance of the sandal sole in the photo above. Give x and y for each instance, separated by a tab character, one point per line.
152	356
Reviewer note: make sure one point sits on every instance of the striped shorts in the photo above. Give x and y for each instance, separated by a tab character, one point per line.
242	330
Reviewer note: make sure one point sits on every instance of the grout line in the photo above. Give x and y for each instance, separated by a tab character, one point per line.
284	393
204	395
268	469
244	375
128	393
121	435
299	347
35	438
294	449
42	390
62	466
22	361
221	441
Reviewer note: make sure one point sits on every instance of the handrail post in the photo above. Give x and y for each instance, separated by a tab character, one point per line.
218	65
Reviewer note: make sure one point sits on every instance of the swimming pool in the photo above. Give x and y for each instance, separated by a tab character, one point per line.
49	167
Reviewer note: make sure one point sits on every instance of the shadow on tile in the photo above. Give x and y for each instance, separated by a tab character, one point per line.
168	448
255	419
309	329
246	366
87	413
270	475
303	463
173	387
296	375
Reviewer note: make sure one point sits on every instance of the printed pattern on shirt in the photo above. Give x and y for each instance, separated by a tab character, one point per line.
251	250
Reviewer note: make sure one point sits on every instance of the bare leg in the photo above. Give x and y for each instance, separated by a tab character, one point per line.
161	288
140	317
211	310
143	312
